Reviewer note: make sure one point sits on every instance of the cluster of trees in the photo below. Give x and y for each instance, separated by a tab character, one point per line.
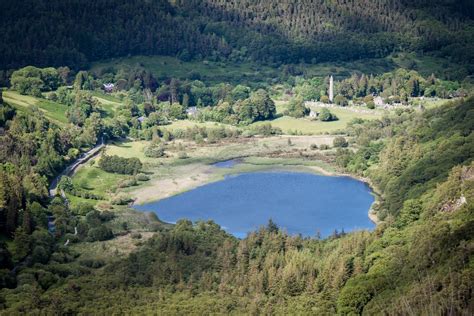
270	31
326	116
296	108
31	152
257	107
33	81
120	165
65	184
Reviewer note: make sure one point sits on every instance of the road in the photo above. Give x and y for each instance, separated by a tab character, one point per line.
72	167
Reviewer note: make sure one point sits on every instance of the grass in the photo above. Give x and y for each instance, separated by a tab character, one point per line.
306	126
110	250
128	149
96	180
108	102
183	124
55	112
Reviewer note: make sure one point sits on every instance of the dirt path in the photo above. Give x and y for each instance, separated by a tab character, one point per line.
71	168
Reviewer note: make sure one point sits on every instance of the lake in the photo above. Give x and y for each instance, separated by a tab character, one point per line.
300	203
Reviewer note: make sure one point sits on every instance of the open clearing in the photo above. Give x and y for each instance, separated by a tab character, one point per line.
56	112
306	126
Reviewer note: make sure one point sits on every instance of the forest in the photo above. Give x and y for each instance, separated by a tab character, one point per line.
76	33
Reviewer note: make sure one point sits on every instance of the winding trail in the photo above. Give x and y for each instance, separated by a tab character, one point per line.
53	187
71	168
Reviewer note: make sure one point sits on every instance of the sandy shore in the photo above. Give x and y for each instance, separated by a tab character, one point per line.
186	178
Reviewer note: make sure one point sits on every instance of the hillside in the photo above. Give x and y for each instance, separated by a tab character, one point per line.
418	261
75	33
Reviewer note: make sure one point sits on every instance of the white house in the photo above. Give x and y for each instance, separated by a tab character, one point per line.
109	87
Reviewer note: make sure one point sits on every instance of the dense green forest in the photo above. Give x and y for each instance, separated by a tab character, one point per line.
74	33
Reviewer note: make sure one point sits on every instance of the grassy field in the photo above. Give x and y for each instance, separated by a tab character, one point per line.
56	112
94	179
306	126
128	149
108	102
183	124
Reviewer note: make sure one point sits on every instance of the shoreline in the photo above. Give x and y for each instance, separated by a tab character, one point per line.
209	174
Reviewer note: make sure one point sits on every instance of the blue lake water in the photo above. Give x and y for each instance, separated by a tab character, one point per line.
300	203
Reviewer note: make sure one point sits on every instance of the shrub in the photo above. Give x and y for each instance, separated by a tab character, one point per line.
92	263
136	236
327	116
324	147
142	177
155	151
100	233
340	142
125	183
313	146
341	100
121	200
106	216
371	105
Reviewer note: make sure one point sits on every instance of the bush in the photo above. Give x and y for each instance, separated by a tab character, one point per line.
371	105
121	200
264	129
125	183
155	151
106	216
136	236
142	177
100	233
40	255
92	263
327	116
324	147
72	238
182	155
341	100
340	142
313	147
